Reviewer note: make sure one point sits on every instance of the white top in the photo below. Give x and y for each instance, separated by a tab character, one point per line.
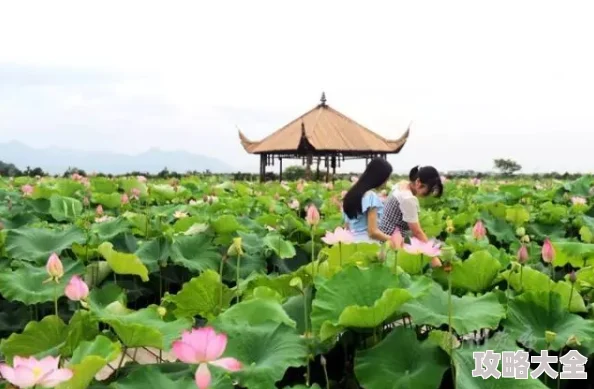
409	204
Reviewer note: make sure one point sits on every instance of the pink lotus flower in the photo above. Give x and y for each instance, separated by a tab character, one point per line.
135	193
141	179
76	289
86	201
99	210
576	200
429	248
76	176
204	346
29	372
313	215
54	267
476	181
479	231
300	186
340	235
548	252
294	204
27	190
397	240
124	200
522	254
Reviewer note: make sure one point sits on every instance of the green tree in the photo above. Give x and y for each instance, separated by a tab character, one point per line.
507	166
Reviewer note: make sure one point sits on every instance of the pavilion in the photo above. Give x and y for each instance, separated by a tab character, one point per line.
321	134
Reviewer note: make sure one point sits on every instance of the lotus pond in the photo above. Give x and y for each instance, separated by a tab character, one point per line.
131	283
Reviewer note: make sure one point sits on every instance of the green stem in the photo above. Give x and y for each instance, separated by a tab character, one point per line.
521	275
550	287
306	318
326	376
237	277
313	266
56	299
570	296
340	253
221	288
450	334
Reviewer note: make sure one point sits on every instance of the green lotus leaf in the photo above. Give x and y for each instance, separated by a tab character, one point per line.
39	339
107	230
356	298
464	364
195	253
531	314
266	351
332	259
103	185
69	188
26	284
153	253
123	263
204	295
468	314
257	311
157	377
37	244
142	328
575	253
226	224
400	361
64	208
282	248
82	327
108	201
476	274
88	359
535	281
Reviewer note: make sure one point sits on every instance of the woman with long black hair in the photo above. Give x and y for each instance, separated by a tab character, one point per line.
362	207
401	209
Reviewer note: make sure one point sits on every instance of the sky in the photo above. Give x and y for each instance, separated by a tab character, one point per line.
479	80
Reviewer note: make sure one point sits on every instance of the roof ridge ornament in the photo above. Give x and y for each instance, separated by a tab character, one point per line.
323	99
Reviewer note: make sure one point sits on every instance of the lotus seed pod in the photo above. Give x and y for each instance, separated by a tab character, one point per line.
520	231
526	239
161	311
550	336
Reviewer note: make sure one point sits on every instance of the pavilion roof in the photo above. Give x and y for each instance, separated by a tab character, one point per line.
325	129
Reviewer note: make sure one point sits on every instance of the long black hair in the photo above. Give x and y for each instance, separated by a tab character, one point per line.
428	176
375	175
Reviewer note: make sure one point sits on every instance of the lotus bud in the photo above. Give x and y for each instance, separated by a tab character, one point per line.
548	251
77	289
235	248
572	277
124	199
479	231
54	267
520	231
550	336
99	210
86	201
522	254
161	311
313	215
296	282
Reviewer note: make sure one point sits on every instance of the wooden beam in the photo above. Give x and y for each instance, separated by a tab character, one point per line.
280	170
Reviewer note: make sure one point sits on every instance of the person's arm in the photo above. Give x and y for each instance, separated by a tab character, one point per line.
417	231
410	214
372	227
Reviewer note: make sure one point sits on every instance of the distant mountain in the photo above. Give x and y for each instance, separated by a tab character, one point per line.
57	160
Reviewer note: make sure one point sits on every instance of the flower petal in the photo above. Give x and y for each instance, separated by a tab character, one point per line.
216	347
184	352
49	364
230	364
22	377
202	376
55	377
199	340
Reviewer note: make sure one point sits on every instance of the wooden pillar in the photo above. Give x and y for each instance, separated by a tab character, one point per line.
308	164
318	168
280	172
262	167
327	169
333	167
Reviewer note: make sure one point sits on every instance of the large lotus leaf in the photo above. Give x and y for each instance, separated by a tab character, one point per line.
88	359
69	188
195	253
535	281
26	284
517	215
38	339
468	313
107	230
332	259
281	284
400	361
498	228
139	222
123	263
83	326
37	244
356	298
226	224
103	185
575	253
257	311
531	314
163	192
65	208
282	248
266	351
143	328
154	253
476	274
464	364
204	295
585	278
109	201
156	377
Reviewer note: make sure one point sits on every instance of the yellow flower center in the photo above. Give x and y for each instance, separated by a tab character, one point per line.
37	372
